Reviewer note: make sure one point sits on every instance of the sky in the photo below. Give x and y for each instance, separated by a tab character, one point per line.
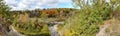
38	4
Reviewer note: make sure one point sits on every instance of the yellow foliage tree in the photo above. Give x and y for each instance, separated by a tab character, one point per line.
24	18
67	33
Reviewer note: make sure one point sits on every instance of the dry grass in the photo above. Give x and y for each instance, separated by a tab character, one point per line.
114	29
110	28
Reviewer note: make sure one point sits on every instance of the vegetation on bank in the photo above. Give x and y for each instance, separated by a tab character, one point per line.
34	25
82	22
92	13
32	22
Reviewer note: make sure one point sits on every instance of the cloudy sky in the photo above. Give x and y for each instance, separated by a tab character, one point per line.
33	4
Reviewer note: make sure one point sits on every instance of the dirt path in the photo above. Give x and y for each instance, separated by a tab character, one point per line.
103	29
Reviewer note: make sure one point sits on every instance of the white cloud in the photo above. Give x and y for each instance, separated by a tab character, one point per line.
11	2
31	4
65	1
22	5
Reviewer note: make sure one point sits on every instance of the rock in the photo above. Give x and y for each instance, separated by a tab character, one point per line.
13	32
3	31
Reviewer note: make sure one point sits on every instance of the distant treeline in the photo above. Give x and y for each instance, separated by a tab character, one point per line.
54	12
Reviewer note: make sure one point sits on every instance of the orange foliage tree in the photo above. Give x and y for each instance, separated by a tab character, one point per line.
50	13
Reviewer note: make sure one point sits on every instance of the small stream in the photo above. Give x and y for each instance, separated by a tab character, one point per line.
53	28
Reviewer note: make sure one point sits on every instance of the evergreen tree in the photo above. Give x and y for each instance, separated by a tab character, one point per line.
4	9
5	13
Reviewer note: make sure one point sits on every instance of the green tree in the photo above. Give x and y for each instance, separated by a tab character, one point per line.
4	9
91	14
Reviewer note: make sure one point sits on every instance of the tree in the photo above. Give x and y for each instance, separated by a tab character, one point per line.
4	9
4	12
91	14
113	4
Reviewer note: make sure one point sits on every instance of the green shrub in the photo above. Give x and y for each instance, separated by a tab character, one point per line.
86	22
32	29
